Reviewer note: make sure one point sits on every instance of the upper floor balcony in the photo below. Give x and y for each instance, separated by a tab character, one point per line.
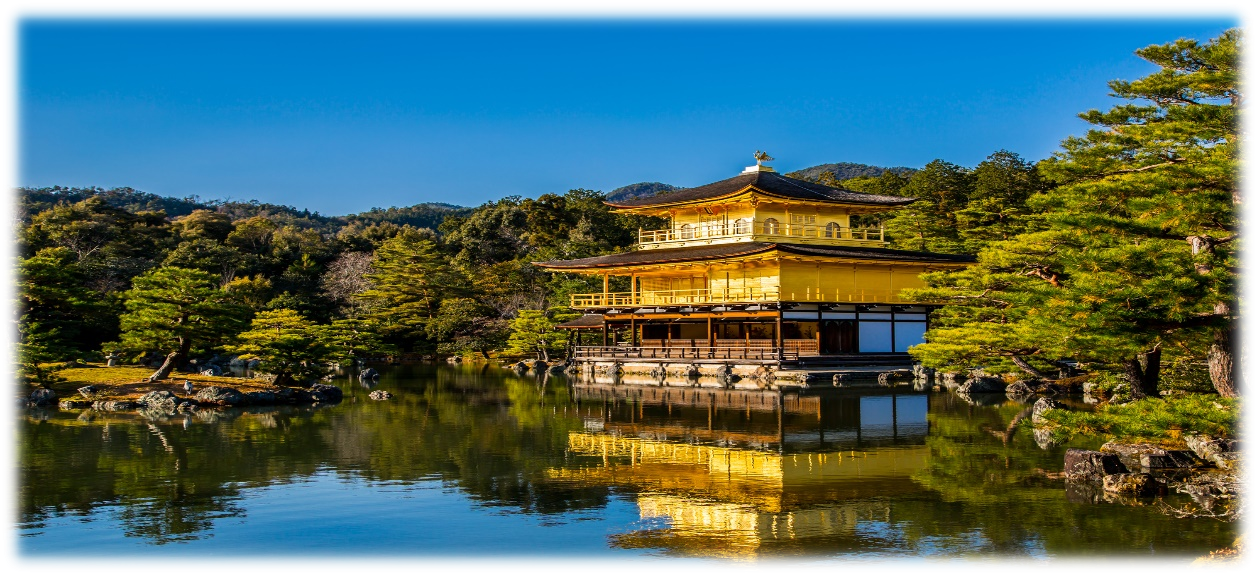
761	230
739	295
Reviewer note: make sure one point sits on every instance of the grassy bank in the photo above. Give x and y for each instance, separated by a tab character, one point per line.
130	382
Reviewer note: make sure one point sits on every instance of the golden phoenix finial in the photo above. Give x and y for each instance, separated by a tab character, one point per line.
761	157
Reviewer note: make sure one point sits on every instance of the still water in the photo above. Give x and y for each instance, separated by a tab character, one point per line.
473	461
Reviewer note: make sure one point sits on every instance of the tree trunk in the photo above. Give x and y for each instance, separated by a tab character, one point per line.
1221	354
1151	364
1026	367
1226	364
174	359
1135	377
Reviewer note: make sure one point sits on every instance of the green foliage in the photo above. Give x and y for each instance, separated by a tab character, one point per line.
173	309
410	280
930	224
36	365
533	333
464	325
55	308
1105	270
350	339
288	345
1149	420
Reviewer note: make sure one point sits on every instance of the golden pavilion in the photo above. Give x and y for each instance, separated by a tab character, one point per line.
759	267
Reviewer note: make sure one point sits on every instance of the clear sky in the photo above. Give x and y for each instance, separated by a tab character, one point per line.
340	116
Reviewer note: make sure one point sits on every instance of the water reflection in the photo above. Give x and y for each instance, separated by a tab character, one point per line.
668	470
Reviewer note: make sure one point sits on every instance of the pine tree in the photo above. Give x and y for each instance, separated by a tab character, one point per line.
288	346
177	311
1137	251
409	281
929	224
1156	185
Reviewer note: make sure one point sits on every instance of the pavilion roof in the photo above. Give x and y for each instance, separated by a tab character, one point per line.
724	251
770	183
587	321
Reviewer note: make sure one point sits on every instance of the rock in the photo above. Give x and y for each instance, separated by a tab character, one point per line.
159	400
557	369
763	374
1210	449
692	372
260	398
42	397
216	395
213	370
1042	405
520	368
1152	457
982	385
112	360
920	373
380	395
1137	484
321	393
454	359
74	404
368	373
287	395
1229	461
540	366
573	369
1170	459
88	391
1018	390
1091	465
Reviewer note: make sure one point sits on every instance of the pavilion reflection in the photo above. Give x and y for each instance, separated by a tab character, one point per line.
727	472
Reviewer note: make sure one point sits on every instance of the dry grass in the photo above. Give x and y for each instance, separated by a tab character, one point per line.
130	382
1236	558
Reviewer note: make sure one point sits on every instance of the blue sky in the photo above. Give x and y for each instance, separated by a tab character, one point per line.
340	116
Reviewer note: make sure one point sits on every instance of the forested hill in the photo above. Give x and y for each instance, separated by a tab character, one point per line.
639	190
32	201
847	170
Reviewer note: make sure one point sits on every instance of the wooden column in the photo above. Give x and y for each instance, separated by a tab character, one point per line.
606	287
633	331
604	333
781	351
711	335
633	290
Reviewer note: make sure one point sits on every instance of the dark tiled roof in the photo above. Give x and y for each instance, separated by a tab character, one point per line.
719	251
874	253
769	182
587	321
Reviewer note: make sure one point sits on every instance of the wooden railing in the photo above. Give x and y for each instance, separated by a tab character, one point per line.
732	295
675	297
762	228
681	352
700	350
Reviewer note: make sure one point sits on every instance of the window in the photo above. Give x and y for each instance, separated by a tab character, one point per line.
741	226
833	230
687	232
772	226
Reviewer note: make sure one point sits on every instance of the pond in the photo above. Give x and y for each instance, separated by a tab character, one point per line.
475	461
